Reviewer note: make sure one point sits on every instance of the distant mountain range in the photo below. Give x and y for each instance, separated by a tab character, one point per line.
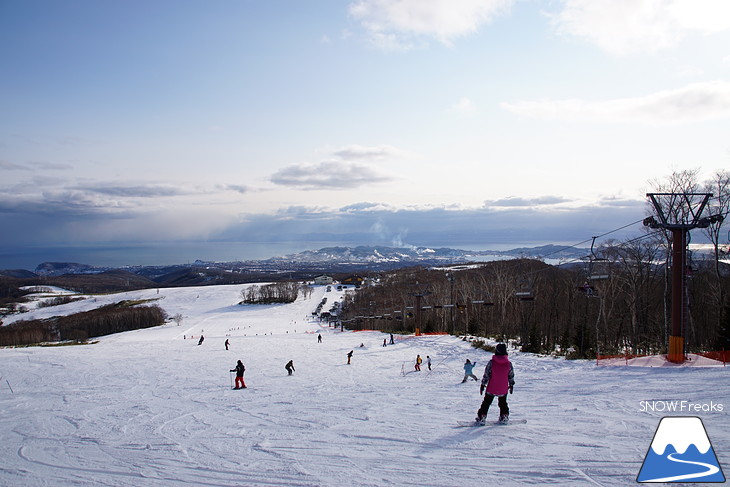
382	254
325	260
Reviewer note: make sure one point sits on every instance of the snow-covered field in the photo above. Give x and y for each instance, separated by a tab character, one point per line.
151	408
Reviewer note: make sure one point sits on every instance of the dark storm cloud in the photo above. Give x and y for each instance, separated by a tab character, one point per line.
237	188
61	200
140	191
369	223
82	199
46	203
158	190
125	212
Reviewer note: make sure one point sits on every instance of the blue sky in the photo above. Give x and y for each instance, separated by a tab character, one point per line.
383	121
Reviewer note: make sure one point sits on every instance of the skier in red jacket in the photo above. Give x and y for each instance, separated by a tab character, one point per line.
498	380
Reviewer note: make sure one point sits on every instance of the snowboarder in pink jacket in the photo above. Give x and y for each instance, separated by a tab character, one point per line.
498	380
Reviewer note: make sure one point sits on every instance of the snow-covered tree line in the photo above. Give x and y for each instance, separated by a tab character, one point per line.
80	326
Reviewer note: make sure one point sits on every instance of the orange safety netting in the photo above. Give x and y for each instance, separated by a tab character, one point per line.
720	356
626	357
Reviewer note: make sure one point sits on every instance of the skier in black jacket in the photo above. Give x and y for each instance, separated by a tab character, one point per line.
239	370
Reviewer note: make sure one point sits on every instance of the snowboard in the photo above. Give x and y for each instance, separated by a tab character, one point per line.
495	423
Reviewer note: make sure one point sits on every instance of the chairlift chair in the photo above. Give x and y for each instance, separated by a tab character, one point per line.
597	266
525	295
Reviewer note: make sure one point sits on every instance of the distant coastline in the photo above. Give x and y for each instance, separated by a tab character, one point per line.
333	260
180	253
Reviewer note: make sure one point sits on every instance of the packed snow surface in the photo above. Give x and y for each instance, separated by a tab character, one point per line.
153	408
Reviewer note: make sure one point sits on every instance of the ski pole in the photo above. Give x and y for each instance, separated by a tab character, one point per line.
230	374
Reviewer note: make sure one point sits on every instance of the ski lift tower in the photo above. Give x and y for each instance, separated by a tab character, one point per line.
418	296
679	213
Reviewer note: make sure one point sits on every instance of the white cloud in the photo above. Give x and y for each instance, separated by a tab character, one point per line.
464	106
380	152
626	26
520	202
335	174
11	166
37	165
689	72
394	24
706	16
695	102
366	206
344	168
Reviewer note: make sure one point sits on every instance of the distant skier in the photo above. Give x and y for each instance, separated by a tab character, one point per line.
239	370
419	360
391	339
469	370
227	343
319	338
498	380
428	362
385	344
349	357
200	342
290	367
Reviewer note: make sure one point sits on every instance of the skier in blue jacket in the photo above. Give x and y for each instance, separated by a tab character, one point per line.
469	370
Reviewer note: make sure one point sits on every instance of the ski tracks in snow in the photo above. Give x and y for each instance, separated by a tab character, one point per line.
150	409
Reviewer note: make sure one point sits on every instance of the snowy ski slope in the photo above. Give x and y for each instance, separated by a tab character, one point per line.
151	408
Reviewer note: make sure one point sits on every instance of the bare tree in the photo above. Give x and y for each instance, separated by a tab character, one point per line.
719	206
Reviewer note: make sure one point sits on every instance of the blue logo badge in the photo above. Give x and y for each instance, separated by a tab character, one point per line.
681	452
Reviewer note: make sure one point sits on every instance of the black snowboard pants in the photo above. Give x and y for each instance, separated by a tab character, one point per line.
501	402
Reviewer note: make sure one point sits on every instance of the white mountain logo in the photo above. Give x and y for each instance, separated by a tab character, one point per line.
681	452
